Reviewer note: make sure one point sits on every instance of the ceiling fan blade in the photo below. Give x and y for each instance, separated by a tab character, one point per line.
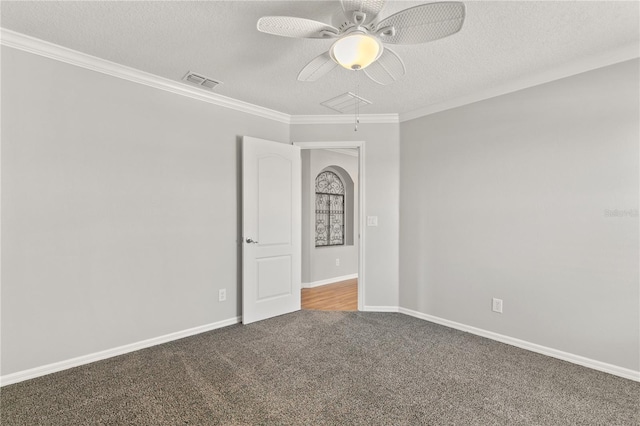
318	67
370	7
387	69
422	23
289	26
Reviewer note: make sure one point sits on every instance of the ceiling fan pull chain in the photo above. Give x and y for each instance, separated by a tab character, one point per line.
357	97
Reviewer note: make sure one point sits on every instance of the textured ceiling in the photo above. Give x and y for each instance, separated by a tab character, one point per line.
500	42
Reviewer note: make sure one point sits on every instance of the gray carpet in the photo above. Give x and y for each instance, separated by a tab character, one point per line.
326	368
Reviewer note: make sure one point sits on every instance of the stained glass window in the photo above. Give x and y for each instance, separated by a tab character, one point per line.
329	210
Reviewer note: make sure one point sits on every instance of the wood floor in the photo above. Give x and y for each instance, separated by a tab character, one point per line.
341	296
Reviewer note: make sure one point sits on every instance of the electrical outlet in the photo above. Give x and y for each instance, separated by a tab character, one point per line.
337	262
222	295
496	306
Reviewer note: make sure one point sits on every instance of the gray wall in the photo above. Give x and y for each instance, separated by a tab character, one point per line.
319	263
119	210
510	198
381	199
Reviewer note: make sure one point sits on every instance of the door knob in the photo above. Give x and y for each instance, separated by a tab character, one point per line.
250	241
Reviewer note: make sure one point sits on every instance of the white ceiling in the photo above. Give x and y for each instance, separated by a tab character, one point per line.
502	45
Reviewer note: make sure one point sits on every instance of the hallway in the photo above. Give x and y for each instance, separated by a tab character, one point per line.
340	296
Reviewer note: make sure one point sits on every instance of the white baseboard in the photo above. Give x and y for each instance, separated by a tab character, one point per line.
86	359
380	309
329	281
32	373
533	347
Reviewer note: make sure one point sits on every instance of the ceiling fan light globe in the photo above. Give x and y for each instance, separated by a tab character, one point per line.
356	51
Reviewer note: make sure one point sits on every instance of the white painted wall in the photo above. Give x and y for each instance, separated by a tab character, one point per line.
508	198
120	210
381	199
319	263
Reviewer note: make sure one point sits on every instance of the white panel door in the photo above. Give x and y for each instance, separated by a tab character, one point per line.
271	215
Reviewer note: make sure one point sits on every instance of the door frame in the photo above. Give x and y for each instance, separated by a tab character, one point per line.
359	145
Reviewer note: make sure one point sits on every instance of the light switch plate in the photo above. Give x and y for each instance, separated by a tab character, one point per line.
372	220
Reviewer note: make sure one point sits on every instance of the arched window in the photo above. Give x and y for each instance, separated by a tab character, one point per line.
329	210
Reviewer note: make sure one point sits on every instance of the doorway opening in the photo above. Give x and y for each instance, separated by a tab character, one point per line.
332	225
338	296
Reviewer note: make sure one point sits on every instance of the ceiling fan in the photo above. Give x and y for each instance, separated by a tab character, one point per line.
361	37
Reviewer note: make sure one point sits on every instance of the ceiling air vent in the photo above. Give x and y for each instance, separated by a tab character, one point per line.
200	81
346	103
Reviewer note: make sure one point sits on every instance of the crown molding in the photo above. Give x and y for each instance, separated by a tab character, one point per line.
49	50
46	49
345	119
622	54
